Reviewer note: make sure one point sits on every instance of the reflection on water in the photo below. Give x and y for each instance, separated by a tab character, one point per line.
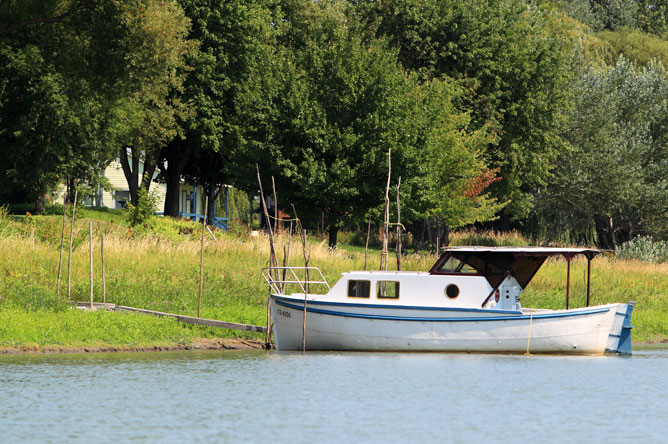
258	396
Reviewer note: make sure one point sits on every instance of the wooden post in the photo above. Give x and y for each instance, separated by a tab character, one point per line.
366	245
273	262
90	254
276	227
286	256
398	227
69	257
386	218
104	277
201	260
588	277
307	258
438	246
568	280
62	242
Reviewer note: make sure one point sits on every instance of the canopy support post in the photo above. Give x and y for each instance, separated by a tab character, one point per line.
588	278
568	280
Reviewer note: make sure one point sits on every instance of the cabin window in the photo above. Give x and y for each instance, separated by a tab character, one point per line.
454	265
388	289
359	289
452	291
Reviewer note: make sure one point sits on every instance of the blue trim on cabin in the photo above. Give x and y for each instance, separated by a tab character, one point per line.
428	319
402	307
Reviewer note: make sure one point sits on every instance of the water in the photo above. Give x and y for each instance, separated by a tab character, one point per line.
257	396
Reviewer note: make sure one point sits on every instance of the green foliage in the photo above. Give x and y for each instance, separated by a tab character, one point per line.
144	211
78	80
613	178
333	103
636	46
645	249
514	60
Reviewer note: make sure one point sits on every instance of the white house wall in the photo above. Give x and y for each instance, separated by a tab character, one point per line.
114	173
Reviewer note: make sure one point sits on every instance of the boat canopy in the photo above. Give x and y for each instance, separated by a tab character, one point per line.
496	263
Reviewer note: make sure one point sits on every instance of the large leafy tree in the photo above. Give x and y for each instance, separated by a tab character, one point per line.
611	184
511	55
335	101
72	76
234	37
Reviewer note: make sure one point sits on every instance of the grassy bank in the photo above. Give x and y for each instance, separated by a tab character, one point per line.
158	268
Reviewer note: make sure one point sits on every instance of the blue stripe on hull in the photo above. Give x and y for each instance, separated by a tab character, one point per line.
311	309
401	307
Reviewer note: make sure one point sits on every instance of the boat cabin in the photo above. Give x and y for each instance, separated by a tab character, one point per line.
462	277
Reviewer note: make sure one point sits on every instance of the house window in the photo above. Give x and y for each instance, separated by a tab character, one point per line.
121	199
359	289
388	289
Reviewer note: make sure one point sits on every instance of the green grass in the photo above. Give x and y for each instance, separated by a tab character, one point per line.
75	328
157	267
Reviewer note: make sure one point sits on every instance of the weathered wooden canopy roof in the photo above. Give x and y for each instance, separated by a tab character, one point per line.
495	263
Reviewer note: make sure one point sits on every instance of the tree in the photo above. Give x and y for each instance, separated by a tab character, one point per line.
335	102
512	56
611	184
72	72
234	37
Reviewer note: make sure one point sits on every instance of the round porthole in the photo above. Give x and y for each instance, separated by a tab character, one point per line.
452	291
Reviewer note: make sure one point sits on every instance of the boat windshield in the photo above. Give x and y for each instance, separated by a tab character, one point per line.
454	265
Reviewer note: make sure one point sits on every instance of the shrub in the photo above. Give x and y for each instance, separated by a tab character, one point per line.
644	249
144	210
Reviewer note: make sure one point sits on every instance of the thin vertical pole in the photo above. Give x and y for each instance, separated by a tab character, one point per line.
201	260
62	242
277	227
69	257
90	255
273	261
398	227
386	218
366	245
568	281
104	277
588	278
195	200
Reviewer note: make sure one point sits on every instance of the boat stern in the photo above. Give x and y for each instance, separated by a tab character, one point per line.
619	340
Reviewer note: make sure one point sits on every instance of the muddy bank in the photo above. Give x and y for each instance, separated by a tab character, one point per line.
197	344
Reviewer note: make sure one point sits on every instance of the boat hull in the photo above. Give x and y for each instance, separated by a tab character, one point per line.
342	326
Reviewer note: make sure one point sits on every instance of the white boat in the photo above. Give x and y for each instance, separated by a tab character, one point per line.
468	302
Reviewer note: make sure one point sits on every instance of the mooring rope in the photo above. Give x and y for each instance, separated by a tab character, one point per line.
530	322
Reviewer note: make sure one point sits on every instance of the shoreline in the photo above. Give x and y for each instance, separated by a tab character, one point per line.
199	344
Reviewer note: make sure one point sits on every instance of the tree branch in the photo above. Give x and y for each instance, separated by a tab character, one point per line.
35	21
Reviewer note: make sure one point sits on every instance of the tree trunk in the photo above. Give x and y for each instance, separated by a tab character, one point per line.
131	172
69	194
333	232
211	198
605	231
176	154
150	166
40	199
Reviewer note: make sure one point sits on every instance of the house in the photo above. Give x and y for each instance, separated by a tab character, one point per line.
191	204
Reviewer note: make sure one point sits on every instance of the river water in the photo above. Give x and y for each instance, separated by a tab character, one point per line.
265	397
